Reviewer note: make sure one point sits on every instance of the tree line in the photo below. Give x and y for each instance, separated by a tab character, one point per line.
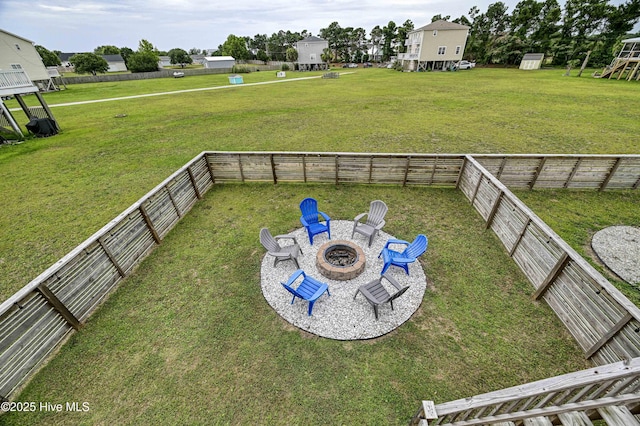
564	34
496	36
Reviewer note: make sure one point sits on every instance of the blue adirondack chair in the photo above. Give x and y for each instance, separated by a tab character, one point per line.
404	258
310	219
309	289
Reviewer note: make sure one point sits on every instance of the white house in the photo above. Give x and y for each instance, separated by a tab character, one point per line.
219	62
436	46
310	53
18	53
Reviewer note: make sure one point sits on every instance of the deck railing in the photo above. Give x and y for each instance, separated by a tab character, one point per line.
39	316
615	384
15	79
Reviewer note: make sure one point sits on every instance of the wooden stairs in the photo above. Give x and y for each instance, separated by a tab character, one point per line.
604	395
627	67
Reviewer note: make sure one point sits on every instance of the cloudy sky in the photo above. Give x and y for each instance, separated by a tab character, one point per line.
82	25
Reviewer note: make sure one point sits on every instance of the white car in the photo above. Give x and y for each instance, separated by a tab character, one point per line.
465	65
178	74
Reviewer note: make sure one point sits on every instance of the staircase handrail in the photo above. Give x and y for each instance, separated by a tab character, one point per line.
612	384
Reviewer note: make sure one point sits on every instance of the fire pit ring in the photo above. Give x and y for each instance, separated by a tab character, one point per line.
340	260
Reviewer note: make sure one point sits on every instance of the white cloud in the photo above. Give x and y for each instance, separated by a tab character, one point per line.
77	25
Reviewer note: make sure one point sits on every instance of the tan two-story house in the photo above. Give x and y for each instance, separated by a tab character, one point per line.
437	46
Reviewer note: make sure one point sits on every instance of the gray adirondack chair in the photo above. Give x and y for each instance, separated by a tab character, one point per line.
373	224
280	253
376	294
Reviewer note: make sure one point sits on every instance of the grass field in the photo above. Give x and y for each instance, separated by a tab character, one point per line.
189	338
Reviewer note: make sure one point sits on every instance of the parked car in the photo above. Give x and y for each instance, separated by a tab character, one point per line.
350	65
178	74
367	65
465	65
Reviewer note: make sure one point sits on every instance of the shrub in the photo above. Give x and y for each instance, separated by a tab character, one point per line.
240	69
284	67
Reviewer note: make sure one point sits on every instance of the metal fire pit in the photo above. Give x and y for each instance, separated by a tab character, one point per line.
340	260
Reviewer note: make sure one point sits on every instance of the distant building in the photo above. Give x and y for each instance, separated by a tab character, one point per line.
437	46
115	62
19	54
310	52
164	61
219	62
531	61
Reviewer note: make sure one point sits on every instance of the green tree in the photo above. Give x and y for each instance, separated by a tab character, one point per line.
145	59
402	34
126	52
389	34
193	51
146	46
332	34
326	55
292	54
89	63
235	46
439	17
179	56
262	56
143	62
49	59
376	39
106	50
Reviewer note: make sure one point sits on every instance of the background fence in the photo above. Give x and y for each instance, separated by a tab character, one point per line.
606	325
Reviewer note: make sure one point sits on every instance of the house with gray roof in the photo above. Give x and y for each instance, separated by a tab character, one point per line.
310	54
116	62
436	46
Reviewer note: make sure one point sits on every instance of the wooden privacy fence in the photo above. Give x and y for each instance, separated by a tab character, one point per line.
39	316
603	321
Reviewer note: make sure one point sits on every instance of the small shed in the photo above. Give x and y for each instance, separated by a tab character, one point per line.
532	61
219	62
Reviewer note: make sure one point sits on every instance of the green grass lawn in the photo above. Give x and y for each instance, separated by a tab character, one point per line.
189	336
70	185
577	215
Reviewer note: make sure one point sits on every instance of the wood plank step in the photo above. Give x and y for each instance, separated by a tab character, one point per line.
504	424
618	416
538	421
574	418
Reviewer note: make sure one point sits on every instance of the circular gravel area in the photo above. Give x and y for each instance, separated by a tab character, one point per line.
618	247
339	316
